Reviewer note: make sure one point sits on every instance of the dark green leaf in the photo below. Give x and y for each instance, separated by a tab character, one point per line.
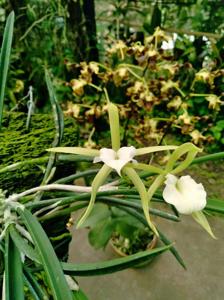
5	58
51	265
111	266
14	285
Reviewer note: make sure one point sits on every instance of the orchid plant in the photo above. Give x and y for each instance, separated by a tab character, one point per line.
184	193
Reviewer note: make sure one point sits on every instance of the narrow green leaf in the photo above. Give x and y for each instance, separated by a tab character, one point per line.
57	112
202	220
51	265
97	182
5	58
35	284
214	205
31	289
107	267
214	156
14	285
172	249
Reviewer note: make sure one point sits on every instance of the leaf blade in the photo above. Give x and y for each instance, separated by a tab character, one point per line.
108	267
5	58
48	257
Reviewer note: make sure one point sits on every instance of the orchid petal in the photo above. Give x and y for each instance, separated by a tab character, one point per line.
116	160
97	182
185	194
180	151
202	220
126	153
75	150
147	150
107	155
145	167
136	180
114	126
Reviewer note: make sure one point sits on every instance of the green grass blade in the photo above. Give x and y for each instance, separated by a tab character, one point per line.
107	267
5	58
51	265
14	285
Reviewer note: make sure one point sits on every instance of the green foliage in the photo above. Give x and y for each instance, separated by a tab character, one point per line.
4	59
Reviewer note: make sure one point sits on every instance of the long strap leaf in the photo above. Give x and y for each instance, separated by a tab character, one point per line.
51	265
14	285
5	58
107	267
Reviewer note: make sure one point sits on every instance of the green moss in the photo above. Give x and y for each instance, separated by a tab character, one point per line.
17	144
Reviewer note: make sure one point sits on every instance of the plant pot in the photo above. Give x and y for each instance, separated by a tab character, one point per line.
151	245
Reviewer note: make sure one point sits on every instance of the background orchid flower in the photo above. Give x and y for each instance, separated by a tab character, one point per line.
188	197
117	158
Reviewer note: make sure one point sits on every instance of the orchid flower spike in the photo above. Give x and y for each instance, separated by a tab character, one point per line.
116	160
185	194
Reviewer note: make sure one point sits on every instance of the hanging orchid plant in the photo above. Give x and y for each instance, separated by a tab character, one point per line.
185	194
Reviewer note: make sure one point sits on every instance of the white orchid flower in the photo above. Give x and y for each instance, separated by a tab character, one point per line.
189	197
184	193
119	158
116	160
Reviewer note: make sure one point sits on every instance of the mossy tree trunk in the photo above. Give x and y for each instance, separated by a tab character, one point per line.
17	145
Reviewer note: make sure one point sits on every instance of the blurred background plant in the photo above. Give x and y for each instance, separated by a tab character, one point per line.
174	48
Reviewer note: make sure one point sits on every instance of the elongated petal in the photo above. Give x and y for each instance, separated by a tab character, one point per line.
114	126
134	177
185	194
201	219
97	182
152	149
188	148
75	150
